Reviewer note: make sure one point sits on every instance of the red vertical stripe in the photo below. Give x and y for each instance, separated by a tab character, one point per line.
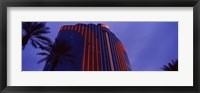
117	54
109	52
61	28
120	56
92	51
65	28
89	49
75	28
124	60
100	55
82	30
97	56
88	58
70	27
86	48
85	38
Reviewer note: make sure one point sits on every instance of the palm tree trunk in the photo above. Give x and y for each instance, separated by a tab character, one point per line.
24	41
54	64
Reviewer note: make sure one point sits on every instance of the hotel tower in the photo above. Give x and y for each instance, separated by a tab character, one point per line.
89	47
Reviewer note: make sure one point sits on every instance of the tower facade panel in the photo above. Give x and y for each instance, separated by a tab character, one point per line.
98	49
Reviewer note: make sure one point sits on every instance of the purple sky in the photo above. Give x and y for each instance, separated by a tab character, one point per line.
149	45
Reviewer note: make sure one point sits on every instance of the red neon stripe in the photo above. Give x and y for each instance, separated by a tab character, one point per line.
118	59
92	51
120	56
100	55
126	67
83	30
64	28
97	56
70	27
89	49
123	61
61	28
89	35
75	28
86	47
109	52
88	57
79	28
122	53
83	65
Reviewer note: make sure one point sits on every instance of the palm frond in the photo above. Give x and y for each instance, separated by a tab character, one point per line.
33	43
34	31
26	26
39	25
171	66
39	32
43	53
40	45
43	38
42	60
46	43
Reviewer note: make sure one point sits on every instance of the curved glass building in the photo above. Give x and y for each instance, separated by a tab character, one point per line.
88	47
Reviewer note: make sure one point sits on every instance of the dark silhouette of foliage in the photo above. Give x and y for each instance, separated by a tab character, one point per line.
53	53
171	66
34	31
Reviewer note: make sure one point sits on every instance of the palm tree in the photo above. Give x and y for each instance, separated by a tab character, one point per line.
34	31
53	53
171	66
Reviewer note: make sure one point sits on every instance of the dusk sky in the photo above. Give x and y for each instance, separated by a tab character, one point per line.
149	45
